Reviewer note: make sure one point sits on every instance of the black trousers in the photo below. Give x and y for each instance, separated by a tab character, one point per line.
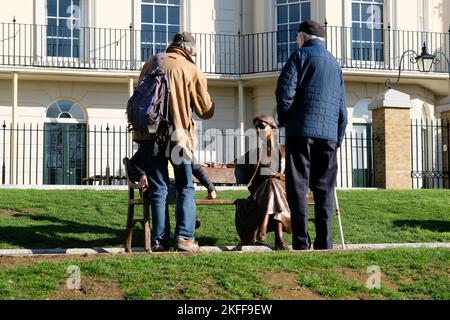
312	163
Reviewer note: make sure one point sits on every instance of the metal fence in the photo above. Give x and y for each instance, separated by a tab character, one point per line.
381	49
230	54
430	161
79	154
355	157
73	154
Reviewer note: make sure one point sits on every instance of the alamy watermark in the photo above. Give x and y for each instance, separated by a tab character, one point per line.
73	282
374	21
374	280
74	19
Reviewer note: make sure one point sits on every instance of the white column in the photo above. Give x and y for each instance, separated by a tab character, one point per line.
15	102
130	86
241	117
130	93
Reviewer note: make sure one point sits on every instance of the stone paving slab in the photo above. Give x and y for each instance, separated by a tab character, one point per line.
243	249
101	187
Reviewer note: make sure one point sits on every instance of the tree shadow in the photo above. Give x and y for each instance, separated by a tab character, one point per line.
432	225
60	234
55	233
206	241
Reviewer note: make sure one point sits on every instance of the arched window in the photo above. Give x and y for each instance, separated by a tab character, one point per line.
66	109
361	112
361	144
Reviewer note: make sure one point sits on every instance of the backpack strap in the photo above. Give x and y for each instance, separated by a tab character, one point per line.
158	62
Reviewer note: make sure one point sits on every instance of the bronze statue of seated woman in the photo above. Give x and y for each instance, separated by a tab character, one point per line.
266	209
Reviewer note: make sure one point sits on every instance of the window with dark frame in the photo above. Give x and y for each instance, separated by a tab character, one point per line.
290	13
160	21
367	30
63	28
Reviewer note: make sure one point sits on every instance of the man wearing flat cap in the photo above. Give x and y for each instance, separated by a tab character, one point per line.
188	95
311	103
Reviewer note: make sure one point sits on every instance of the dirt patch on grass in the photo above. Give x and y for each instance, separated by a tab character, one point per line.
361	277
15	214
406	279
284	286
25	261
91	289
209	289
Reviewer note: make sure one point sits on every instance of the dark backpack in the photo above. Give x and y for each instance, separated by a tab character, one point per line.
147	108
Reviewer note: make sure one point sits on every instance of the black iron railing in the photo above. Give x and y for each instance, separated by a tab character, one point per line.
125	49
355	157
430	161
73	154
78	154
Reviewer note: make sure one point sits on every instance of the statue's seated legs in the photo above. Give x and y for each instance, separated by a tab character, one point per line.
261	235
279	241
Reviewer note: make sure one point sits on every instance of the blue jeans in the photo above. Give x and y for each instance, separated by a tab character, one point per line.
155	167
185	209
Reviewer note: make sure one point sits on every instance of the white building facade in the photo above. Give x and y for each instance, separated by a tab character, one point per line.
67	68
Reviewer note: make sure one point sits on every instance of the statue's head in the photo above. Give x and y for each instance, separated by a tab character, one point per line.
266	123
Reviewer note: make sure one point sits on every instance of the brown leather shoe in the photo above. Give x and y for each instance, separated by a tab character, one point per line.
159	247
281	246
260	239
187	245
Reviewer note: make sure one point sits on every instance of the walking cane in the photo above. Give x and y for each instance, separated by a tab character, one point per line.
338	214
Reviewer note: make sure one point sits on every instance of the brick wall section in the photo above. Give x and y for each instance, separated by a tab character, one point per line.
392	148
379	150
445	116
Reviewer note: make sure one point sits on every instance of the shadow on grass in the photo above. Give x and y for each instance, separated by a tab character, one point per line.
55	233
432	225
61	234
207	241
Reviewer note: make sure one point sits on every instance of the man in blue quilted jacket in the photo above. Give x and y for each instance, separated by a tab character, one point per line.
311	104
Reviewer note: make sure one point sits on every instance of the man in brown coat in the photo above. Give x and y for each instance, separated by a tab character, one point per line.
188	94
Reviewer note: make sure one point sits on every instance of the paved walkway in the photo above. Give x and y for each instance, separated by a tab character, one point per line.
246	249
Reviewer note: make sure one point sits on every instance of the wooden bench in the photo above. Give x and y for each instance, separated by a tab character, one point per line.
231	176
224	175
104	181
131	220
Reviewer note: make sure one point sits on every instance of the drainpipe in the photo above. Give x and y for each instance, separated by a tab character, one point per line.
15	84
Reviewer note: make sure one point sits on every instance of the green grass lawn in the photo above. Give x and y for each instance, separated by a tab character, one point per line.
83	219
405	274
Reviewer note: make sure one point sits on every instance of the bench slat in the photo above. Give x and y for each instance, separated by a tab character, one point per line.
214	202
136	202
229	176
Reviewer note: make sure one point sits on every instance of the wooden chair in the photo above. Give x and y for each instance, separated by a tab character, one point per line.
131	221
